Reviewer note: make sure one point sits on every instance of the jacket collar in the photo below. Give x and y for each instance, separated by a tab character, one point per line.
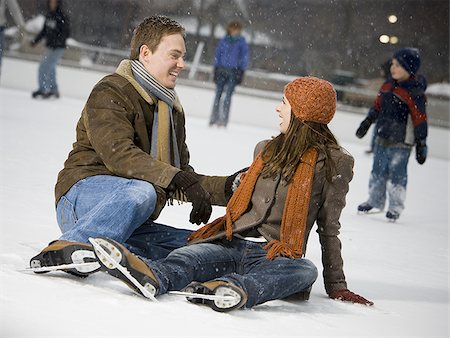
124	70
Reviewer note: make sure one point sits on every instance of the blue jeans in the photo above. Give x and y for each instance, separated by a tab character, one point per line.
240	262
389	176
225	79
117	208
47	70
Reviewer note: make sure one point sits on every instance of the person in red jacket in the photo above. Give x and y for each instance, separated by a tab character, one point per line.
401	122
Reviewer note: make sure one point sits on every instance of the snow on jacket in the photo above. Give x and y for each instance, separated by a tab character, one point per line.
232	53
263	218
56	30
113	137
400	111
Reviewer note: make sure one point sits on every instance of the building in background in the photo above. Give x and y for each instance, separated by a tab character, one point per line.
324	38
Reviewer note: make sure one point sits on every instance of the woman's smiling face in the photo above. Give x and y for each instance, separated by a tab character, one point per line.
284	112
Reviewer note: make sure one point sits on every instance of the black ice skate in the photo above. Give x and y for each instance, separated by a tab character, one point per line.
364	207
235	296
72	257
392	216
38	94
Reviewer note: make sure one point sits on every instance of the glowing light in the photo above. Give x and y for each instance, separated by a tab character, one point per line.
384	38
392	18
393	40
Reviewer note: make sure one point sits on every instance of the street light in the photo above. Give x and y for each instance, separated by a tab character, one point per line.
393	40
392	18
384	38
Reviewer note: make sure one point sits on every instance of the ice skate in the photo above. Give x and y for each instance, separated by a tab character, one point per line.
119	262
392	216
37	94
364	208
72	257
50	95
237	296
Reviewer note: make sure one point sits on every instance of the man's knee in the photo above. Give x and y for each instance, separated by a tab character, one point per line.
143	194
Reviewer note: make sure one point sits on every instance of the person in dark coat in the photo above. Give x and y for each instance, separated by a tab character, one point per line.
401	122
230	63
56	30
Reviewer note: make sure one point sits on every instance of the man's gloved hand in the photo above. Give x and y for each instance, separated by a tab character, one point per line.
421	151
233	182
363	128
348	296
199	197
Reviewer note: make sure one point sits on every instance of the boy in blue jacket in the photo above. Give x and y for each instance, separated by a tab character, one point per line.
401	122
230	63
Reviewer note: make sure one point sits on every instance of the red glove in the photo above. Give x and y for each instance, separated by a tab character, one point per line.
348	296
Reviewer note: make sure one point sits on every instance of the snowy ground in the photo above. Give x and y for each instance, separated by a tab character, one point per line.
402	267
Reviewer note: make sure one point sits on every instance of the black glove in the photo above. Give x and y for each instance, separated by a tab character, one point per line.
421	151
199	197
363	127
232	183
239	75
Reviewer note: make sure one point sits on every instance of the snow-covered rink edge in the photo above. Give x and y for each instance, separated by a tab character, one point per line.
402	266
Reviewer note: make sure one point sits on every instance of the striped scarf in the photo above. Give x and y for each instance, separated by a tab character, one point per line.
163	131
293	223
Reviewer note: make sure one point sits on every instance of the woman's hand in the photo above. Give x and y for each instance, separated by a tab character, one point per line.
348	296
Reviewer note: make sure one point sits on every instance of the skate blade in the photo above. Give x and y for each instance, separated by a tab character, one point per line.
370	212
201	295
84	267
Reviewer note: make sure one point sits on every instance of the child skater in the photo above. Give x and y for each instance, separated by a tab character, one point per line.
255	253
401	122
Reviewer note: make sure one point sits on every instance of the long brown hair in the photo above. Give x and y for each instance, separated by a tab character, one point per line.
283	153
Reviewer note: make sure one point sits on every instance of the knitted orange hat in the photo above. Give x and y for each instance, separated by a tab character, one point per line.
311	99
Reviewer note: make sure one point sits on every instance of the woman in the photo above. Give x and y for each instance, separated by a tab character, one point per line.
298	178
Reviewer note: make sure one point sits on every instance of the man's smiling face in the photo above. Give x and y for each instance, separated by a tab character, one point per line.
167	61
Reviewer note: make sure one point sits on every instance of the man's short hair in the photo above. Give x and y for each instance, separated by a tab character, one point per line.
234	25
151	31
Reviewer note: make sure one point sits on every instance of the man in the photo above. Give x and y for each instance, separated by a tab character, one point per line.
130	158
